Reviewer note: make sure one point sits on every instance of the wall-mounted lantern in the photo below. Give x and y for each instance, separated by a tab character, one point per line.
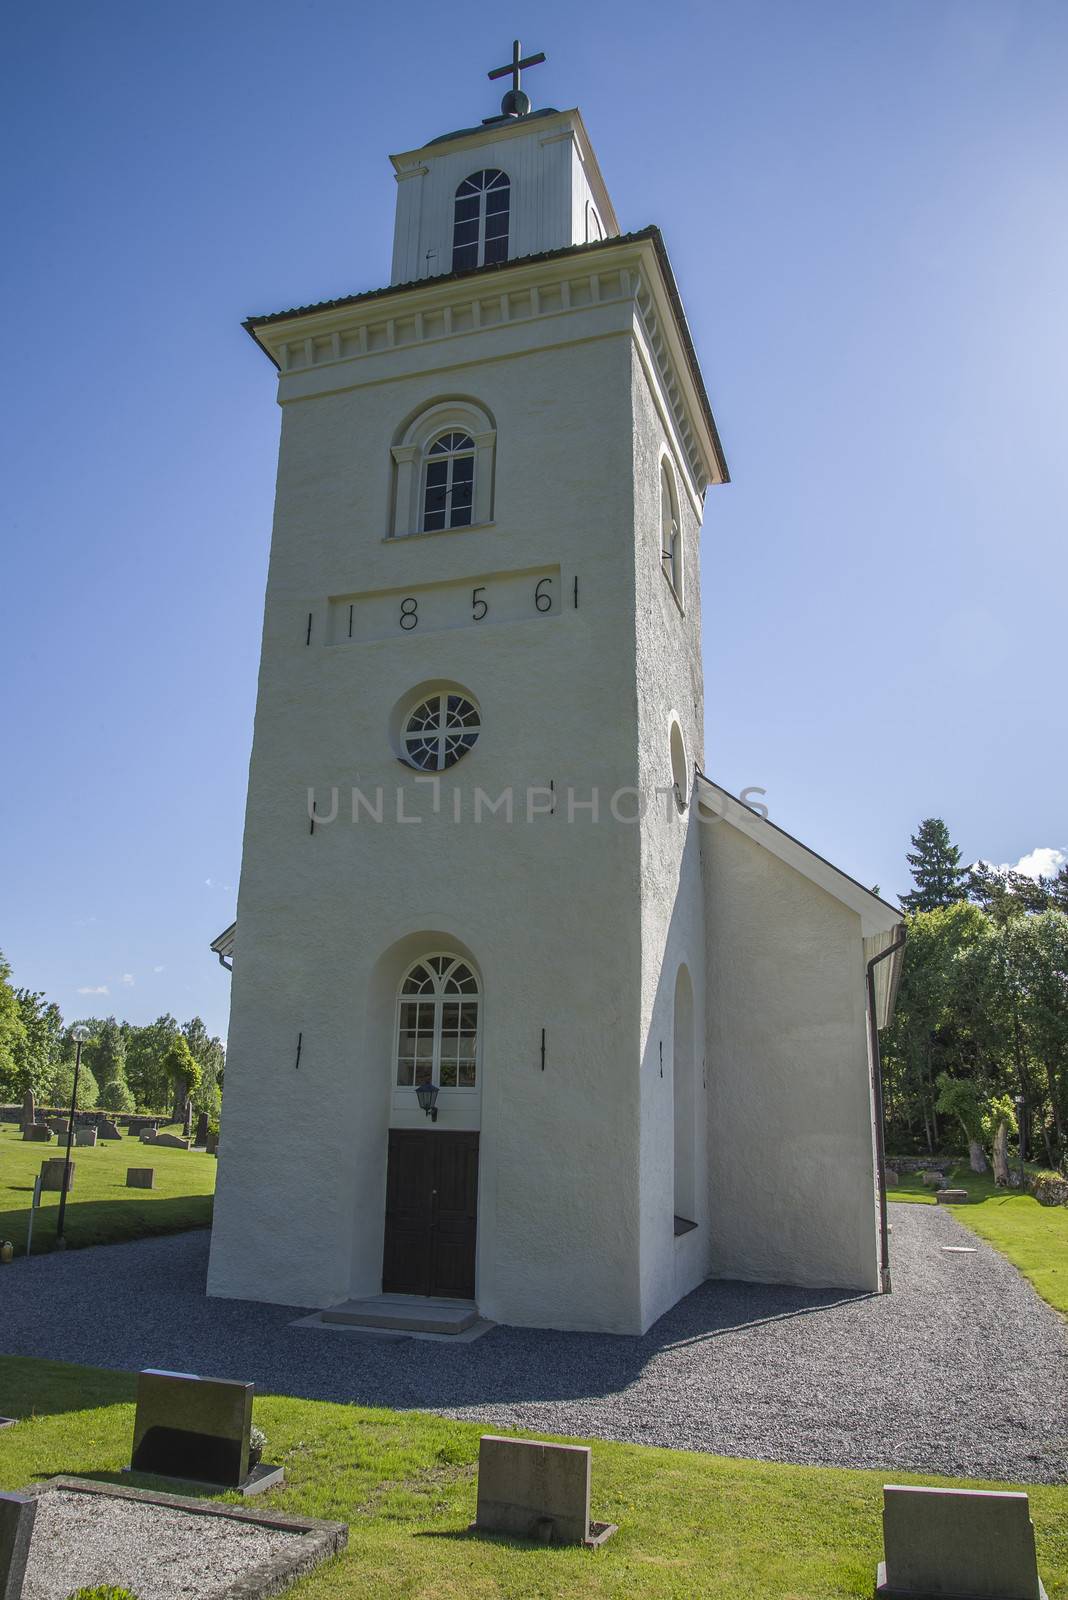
427	1096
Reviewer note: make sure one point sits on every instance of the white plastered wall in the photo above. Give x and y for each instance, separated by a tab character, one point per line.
670	689
791	1170
549	912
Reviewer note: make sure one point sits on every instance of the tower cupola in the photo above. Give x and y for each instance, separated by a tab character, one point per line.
519	184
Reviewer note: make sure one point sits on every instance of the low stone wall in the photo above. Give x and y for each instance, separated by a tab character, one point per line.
82	1119
924	1163
1048	1188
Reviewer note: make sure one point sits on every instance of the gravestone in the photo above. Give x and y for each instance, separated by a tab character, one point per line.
29	1108
202	1129
52	1174
951	1197
978	1543
197	1429
107	1130
931	1180
37	1133
211	1144
85	1137
148	1135
59	1127
891	1178
536	1491
171	1141
17	1513
140	1177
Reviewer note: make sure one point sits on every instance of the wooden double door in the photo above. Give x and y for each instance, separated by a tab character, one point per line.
431	1214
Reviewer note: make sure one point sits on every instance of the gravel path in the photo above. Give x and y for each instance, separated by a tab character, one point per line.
963	1370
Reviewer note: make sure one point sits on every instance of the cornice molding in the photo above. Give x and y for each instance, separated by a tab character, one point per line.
444	309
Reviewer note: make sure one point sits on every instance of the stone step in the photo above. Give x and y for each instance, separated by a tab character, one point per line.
408	1313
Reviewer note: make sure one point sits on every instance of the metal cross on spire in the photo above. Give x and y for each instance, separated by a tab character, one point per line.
515	102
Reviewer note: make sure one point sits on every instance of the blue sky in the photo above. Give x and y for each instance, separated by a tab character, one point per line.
865	207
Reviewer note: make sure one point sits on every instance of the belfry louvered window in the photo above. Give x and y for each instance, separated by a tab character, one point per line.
480	225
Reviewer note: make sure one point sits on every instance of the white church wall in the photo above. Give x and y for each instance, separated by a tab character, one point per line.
789	1137
670	692
548	910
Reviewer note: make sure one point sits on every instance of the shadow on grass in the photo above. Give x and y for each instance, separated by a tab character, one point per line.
91	1222
32	1388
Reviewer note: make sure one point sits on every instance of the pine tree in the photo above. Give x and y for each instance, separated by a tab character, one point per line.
936	869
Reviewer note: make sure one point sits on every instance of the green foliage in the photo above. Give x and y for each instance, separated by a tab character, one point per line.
63	1083
999	1109
106	1053
983	1002
146	1049
12	1032
116	1096
39	1049
958	1097
102	1591
180	1067
936	869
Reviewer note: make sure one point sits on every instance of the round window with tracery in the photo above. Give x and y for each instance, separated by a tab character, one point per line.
440	731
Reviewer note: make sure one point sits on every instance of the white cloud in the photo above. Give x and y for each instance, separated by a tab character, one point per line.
89	988
1045	861
157	969
209	883
128	978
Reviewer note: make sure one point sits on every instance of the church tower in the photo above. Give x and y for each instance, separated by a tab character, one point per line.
467	1047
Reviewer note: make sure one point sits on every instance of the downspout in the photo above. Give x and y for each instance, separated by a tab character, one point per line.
229	965
877	1099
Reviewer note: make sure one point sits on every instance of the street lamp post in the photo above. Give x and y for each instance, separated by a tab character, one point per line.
79	1036
1020	1102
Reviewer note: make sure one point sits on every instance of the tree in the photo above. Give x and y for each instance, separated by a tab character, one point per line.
12	1030
36	1054
936	869
109	1066
63	1083
184	1074
957	1097
1005	893
146	1050
210	1056
921	1040
999	1120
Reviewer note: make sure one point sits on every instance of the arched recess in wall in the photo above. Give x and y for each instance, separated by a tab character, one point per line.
458	427
684	1078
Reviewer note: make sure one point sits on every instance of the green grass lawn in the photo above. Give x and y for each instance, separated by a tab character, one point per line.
1034	1237
100	1208
690	1524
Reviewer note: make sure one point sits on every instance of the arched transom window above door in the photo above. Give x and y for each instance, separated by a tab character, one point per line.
443	467
480	219
437	1024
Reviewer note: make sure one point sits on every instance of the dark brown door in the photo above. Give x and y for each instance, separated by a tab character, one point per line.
431	1214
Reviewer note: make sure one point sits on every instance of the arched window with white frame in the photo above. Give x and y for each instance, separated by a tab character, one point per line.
480	219
671	548
443	467
437	1024
449	482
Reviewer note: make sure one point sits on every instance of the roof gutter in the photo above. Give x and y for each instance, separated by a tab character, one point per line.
877	1101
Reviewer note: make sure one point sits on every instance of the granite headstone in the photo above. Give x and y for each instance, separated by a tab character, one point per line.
978	1543
17	1513
536	1491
